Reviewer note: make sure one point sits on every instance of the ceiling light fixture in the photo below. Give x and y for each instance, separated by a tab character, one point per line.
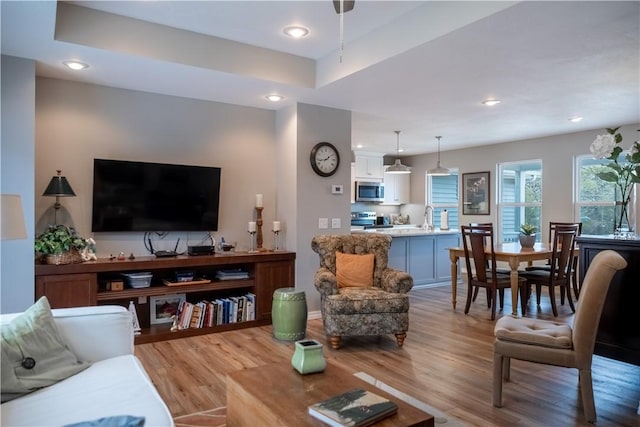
439	170
296	31
342	6
75	65
274	97
491	102
398	167
576	119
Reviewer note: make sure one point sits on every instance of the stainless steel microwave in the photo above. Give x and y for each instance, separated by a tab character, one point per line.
369	191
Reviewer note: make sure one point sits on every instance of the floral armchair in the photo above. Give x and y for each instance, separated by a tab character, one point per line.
376	309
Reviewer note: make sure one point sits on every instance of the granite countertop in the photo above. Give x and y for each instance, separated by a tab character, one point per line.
404	231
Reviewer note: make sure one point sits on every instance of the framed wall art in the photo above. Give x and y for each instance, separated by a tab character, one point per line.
163	307
476	197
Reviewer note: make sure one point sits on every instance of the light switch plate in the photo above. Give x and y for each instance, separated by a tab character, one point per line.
323	223
142	300
337	189
335	223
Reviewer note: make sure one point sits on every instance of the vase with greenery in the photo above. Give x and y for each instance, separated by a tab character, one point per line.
527	235
59	244
624	171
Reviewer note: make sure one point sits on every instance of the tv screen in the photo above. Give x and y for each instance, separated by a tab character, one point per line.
139	196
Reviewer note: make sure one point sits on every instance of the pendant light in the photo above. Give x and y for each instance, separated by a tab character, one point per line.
439	170
398	167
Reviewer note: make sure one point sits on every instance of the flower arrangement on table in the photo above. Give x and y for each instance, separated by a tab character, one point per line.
624	173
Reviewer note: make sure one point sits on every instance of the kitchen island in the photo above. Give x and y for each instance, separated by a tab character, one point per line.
423	254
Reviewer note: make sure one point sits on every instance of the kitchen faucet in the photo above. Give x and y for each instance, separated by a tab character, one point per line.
428	218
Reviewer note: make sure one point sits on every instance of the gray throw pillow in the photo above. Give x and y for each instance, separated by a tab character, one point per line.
33	353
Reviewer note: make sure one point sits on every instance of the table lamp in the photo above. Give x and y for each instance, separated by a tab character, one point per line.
58	187
12	218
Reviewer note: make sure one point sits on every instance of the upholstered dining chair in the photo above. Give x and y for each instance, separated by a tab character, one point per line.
560	267
359	293
551	343
574	262
476	239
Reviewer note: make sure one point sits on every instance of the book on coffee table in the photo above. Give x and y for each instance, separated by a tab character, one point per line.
355	408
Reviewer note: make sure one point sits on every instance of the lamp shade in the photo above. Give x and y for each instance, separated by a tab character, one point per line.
12	218
438	170
398	167
59	187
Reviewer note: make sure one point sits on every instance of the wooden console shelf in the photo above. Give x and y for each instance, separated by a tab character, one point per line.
75	285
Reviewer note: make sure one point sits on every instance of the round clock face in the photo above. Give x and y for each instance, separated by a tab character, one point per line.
325	159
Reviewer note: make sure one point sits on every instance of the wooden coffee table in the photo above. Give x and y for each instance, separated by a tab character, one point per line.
277	395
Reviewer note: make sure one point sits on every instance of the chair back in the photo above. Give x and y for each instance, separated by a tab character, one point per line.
327	245
564	244
475	238
554	224
592	297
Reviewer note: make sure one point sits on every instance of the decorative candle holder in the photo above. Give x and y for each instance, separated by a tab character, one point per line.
251	244
308	357
277	243
259	229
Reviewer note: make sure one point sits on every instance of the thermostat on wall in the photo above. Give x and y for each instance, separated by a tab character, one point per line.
336	189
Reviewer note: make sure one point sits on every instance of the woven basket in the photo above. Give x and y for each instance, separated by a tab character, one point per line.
69	257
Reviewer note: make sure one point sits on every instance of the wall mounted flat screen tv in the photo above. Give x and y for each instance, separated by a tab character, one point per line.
139	196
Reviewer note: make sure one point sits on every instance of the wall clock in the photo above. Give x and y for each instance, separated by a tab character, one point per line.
324	159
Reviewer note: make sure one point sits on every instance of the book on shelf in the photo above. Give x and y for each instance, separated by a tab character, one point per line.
355	408
232	274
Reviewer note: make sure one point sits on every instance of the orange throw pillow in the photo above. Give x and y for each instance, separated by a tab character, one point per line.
354	270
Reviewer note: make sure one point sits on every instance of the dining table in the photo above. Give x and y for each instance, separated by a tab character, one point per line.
511	253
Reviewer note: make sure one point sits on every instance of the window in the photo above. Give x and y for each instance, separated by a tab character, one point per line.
520	197
442	193
594	198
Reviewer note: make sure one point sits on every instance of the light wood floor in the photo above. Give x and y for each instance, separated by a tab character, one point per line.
446	362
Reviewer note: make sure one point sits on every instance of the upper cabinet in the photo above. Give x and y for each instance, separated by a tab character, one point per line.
369	166
397	188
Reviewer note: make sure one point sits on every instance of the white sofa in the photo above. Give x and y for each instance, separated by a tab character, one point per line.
114	384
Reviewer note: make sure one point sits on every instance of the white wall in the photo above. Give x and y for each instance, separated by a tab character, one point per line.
313	195
78	122
557	153
16	177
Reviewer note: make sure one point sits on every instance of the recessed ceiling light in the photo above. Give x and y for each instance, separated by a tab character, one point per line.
491	102
274	97
75	65
576	119
296	31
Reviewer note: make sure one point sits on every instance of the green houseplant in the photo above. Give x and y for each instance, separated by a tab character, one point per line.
59	244
527	235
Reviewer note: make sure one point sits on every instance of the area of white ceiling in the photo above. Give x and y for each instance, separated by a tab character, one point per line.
421	67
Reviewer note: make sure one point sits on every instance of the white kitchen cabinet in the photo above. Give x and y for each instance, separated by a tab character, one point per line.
397	188
369	166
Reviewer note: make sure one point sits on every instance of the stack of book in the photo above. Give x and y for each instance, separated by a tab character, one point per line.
221	311
233	274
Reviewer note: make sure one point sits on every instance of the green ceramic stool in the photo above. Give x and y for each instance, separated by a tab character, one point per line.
289	314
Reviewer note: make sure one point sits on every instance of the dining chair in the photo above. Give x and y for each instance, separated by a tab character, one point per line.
498	270
551	343
574	264
559	272
476	240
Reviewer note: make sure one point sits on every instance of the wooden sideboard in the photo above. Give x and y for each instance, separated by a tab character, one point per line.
74	285
619	331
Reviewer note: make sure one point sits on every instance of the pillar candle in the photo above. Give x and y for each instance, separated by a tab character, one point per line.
276	225
259	201
252	226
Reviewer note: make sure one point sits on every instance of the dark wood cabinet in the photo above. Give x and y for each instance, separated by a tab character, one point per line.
74	285
619	331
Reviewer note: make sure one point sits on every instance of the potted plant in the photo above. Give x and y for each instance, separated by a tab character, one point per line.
527	235
59	244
